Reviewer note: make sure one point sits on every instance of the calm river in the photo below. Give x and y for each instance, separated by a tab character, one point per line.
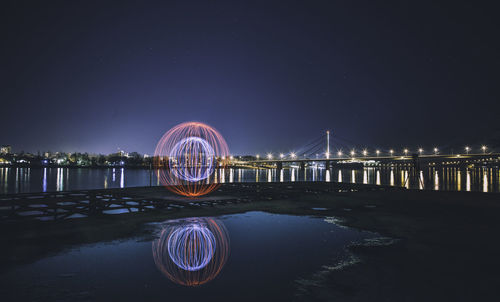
24	180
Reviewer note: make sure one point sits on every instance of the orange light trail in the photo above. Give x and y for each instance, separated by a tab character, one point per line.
187	155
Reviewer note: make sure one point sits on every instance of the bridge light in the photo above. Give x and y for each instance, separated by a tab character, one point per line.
269	156
391	151
231	157
257	156
467	149
484	149
420	150
339	153
436	151
378	152
282	155
405	151
353	153
365	152
293	155
327	154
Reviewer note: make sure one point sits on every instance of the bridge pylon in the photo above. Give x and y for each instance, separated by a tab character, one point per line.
327	144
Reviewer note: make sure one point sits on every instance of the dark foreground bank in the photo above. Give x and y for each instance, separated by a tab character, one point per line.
435	246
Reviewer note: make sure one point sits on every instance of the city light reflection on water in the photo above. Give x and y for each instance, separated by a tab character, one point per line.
44	181
22	180
485	182
122	178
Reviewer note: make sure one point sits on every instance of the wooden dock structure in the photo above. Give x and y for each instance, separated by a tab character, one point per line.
51	206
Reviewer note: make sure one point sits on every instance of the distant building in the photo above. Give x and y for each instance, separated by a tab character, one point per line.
123	153
6	149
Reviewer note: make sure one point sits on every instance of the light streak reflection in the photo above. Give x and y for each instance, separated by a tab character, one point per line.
44	180
485	181
191	251
122	178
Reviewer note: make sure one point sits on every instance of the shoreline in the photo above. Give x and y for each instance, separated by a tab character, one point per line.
444	239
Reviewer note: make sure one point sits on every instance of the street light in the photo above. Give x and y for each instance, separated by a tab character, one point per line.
257	156
405	151
365	152
420	150
327	154
292	155
231	157
435	151
378	152
467	149
353	153
391	151
484	149
282	155
339	153
269	156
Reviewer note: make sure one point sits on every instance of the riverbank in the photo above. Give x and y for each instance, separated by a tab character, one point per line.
442	245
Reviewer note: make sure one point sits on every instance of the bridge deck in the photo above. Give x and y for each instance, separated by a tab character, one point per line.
487	156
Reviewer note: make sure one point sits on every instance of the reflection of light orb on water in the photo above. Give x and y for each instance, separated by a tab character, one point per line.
187	156
191	248
192	159
192	251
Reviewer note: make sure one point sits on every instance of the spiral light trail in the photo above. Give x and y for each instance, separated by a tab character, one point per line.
187	156
191	248
192	251
193	159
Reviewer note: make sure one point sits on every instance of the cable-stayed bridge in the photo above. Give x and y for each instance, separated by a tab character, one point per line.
319	151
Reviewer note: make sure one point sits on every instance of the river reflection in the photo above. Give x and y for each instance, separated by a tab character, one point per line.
187	261
191	251
23	180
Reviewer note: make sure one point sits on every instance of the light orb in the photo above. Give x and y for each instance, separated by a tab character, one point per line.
191	248
188	155
192	159
191	251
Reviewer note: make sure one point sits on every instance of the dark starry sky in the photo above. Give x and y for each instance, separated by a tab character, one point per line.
270	76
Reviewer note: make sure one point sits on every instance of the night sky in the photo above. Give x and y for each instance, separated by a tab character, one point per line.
270	76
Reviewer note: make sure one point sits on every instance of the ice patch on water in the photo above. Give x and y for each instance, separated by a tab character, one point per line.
378	241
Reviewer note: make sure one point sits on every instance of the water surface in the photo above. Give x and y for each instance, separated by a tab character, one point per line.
23	180
266	255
